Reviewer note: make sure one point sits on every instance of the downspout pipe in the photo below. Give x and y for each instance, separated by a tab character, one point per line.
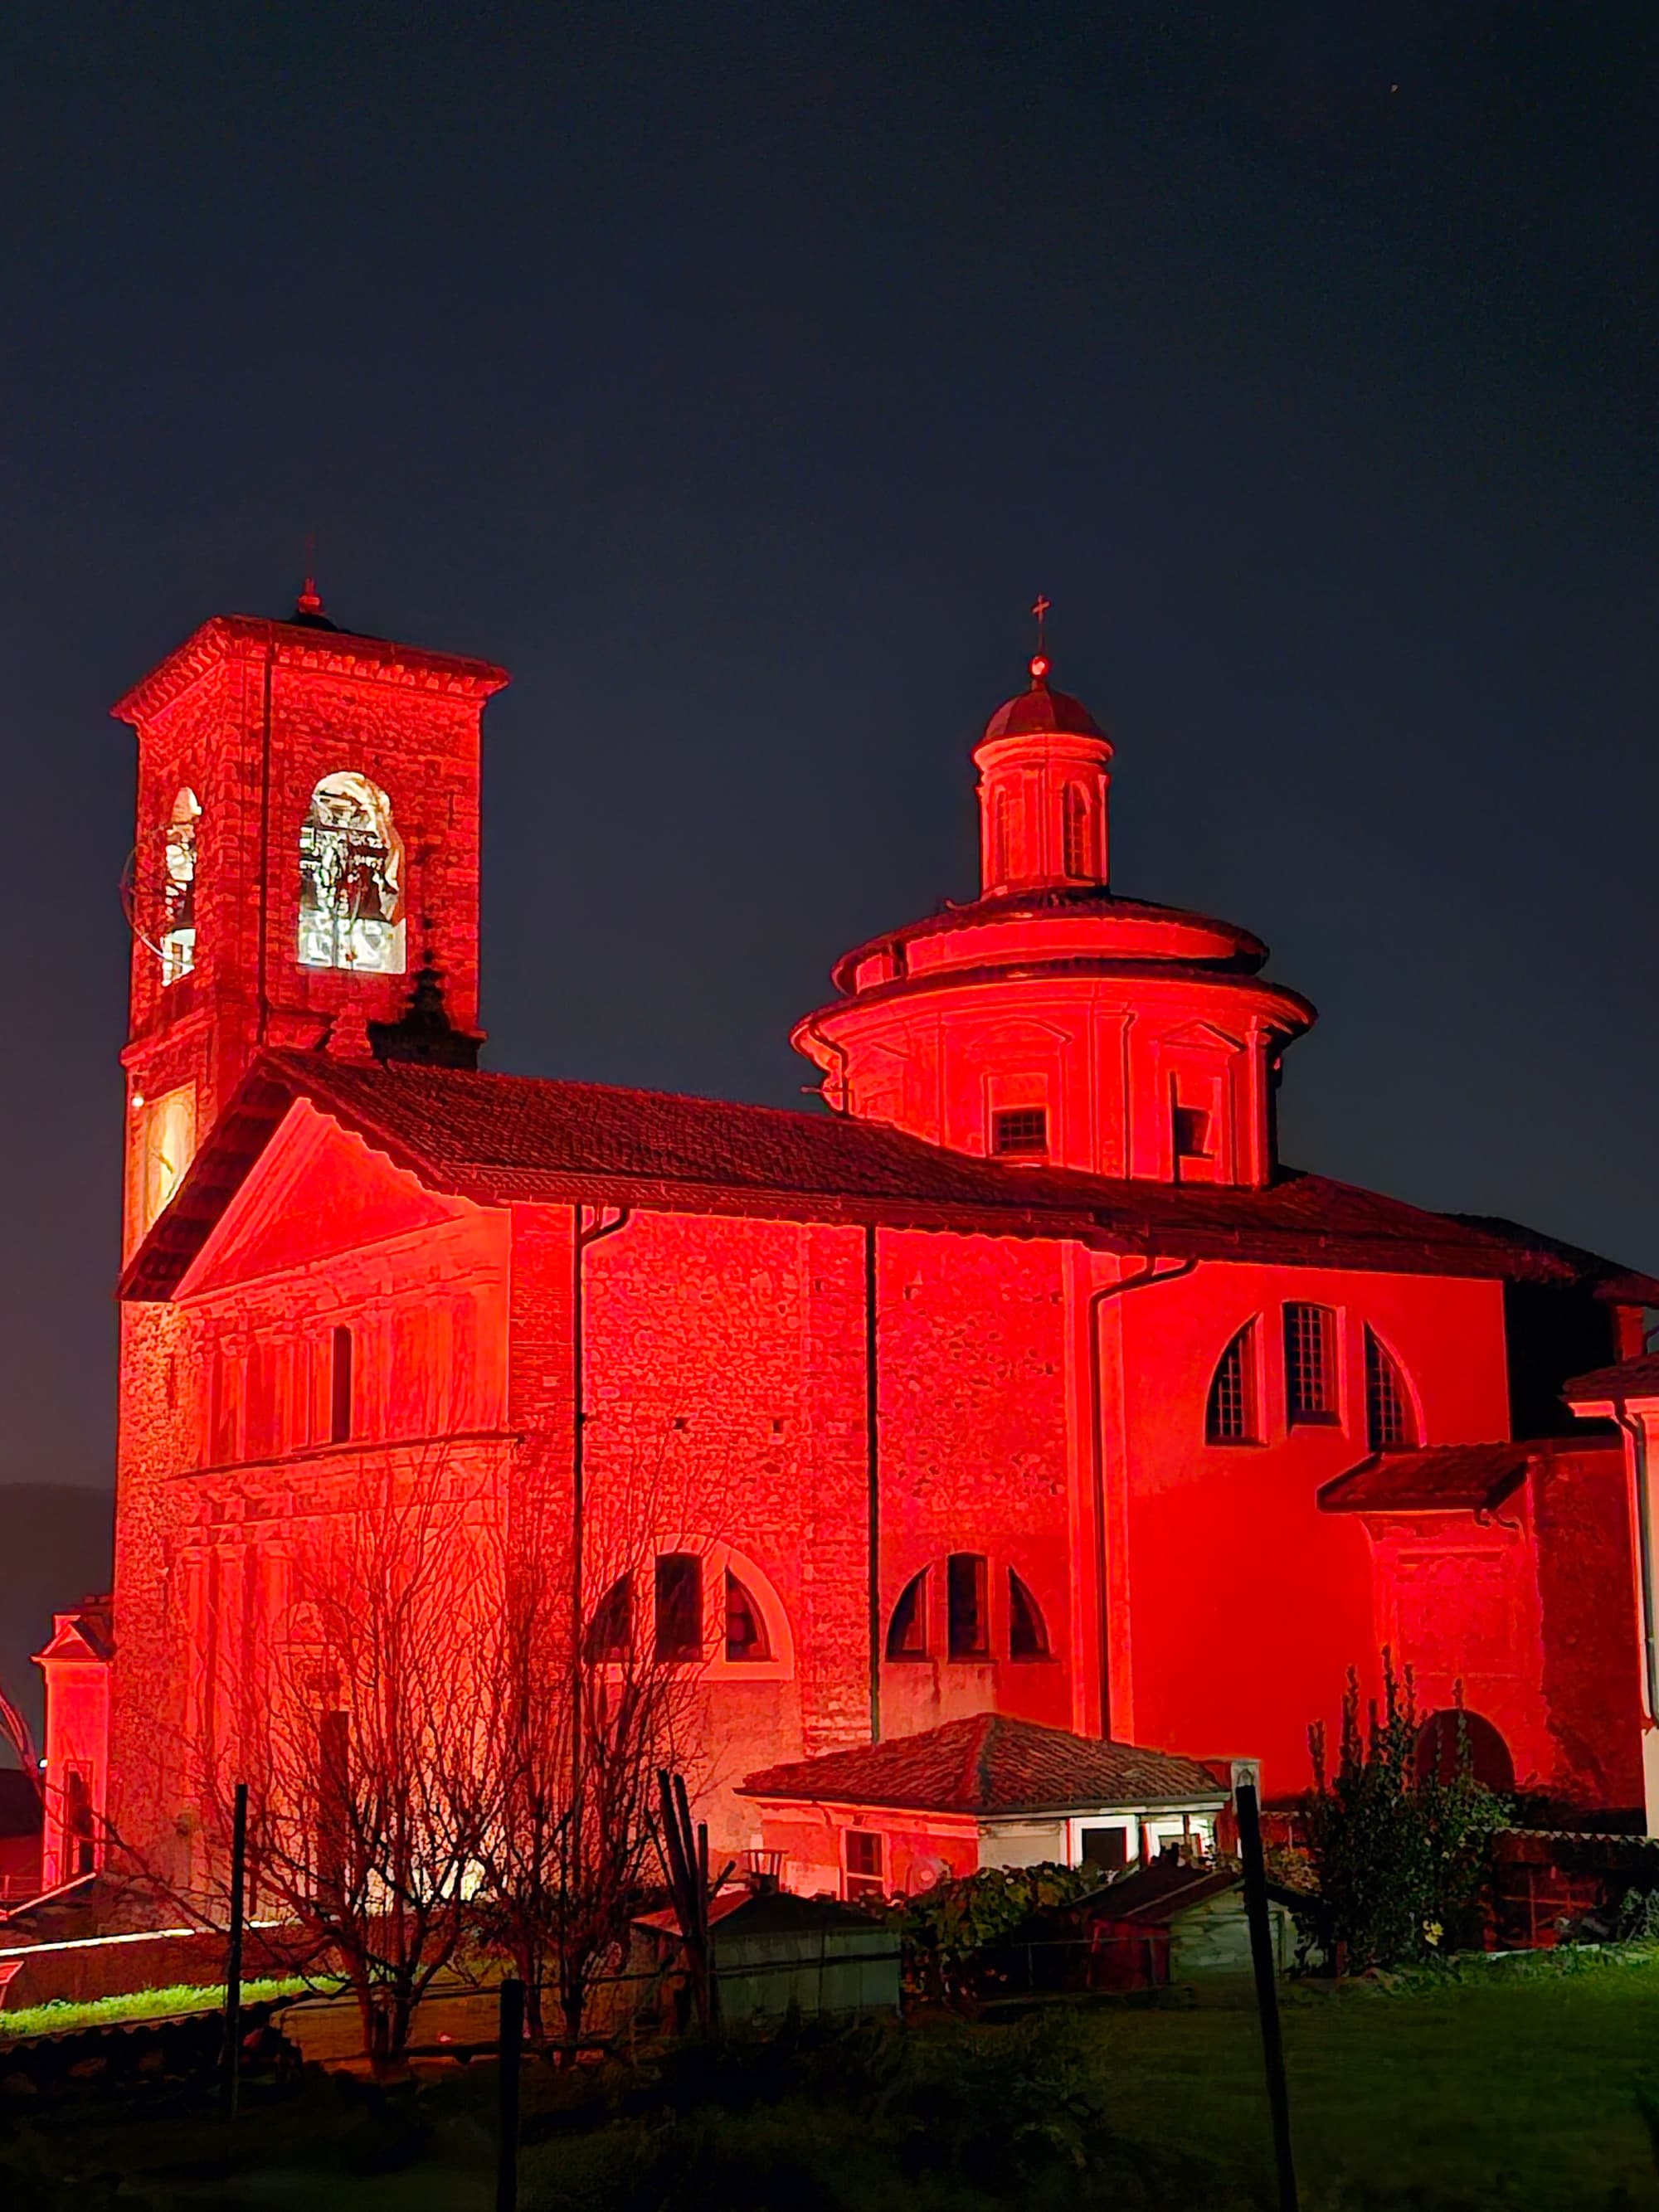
872	1464
1636	1432
1150	1273
583	1236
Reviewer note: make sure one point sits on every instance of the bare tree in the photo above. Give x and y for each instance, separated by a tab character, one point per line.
363	1736
599	1664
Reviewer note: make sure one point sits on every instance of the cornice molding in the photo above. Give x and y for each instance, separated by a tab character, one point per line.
251	638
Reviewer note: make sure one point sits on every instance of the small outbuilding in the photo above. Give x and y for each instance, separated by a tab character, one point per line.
1166	1924
890	1818
771	1953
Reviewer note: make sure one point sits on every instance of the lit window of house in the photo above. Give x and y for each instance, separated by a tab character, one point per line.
865	1874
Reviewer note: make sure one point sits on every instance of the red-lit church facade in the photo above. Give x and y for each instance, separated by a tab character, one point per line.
1023	1375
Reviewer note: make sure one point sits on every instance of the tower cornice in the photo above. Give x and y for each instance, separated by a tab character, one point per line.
292	644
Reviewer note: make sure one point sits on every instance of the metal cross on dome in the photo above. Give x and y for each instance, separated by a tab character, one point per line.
1040	657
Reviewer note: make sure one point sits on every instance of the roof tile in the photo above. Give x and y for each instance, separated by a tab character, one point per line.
990	1763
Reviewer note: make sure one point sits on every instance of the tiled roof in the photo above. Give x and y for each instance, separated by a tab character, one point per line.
501	1138
1630	1378
991	1764
740	1912
1619	1285
1447	1478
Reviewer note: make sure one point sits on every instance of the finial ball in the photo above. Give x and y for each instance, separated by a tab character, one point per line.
1039	668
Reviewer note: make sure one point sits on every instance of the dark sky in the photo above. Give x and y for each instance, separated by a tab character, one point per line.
737	375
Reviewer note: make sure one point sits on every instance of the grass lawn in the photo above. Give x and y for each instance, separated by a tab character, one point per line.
1515	2089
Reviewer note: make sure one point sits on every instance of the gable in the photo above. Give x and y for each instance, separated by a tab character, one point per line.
316	1190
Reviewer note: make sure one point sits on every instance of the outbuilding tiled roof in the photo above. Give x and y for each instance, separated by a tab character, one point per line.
504	1138
1630	1378
1448	1478
991	1764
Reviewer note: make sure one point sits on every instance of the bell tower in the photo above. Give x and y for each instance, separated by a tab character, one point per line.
306	846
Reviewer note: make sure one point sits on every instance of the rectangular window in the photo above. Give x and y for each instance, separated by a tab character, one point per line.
680	1605
1107	1849
333	1799
865	1874
339	1391
1310	1364
1191	1134
223	1406
971	1631
1020	1132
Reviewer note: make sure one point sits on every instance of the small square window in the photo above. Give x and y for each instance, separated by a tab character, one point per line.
1191	1134
1020	1132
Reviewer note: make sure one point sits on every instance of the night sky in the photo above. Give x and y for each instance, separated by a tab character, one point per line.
737	376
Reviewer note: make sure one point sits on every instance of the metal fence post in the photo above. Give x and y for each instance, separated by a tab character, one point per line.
1267	1981
231	2083
511	2047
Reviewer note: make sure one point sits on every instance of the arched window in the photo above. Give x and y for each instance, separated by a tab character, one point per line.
352	890
1027	1635
1310	1364
1388	1423
611	1632
178	944
1075	825
745	1624
1230	1411
907	1630
968	1613
999	837
680	1605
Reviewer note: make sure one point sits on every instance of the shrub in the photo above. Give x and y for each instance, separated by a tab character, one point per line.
1402	1858
942	1930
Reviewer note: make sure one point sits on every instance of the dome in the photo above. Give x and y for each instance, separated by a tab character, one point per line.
1040	712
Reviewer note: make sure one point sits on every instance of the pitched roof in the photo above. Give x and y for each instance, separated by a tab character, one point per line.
740	1912
990	1764
501	1138
1618	1284
1447	1478
1630	1379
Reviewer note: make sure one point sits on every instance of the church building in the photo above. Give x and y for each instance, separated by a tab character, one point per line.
1020	1376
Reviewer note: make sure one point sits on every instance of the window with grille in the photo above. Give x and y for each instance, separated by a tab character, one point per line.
1076	827
1027	1635
970	1628
907	1630
1388	1424
1310	1364
1020	1130
1230	1416
680	1605
866	1872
